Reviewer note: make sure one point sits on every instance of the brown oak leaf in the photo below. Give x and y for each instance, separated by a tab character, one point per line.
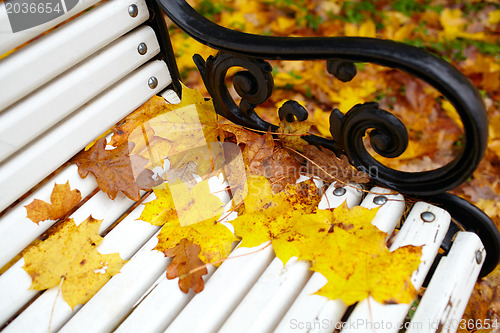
186	266
113	169
62	199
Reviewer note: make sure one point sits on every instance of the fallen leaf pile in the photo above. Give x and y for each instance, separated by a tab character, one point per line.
183	151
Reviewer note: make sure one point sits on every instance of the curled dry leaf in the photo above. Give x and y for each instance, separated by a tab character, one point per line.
69	256
62	199
186	266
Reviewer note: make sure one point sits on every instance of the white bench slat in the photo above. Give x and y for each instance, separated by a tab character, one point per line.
39	310
9	40
308	308
40	61
17	231
153	313
445	299
30	166
267	301
370	314
36	113
15	282
227	286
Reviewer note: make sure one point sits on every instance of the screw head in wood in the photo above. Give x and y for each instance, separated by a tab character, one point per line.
427	217
479	257
380	200
339	191
133	10
142	48
152	82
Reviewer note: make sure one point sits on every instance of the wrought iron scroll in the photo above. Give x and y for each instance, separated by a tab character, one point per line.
388	136
341	53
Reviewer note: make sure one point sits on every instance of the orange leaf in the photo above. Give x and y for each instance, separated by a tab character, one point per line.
62	199
113	169
186	266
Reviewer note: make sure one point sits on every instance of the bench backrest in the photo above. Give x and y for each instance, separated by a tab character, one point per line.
84	76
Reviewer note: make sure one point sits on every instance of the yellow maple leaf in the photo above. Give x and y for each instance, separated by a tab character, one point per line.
214	239
494	17
353	255
179	132
175	204
267	215
69	258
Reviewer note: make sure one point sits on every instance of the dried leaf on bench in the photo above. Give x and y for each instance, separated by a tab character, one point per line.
214	239
176	204
328	167
154	107
186	266
291	134
353	255
241	134
62	199
255	152
113	169
161	130
69	258
267	214
264	156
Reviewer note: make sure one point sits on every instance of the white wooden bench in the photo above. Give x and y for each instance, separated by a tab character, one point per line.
62	91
